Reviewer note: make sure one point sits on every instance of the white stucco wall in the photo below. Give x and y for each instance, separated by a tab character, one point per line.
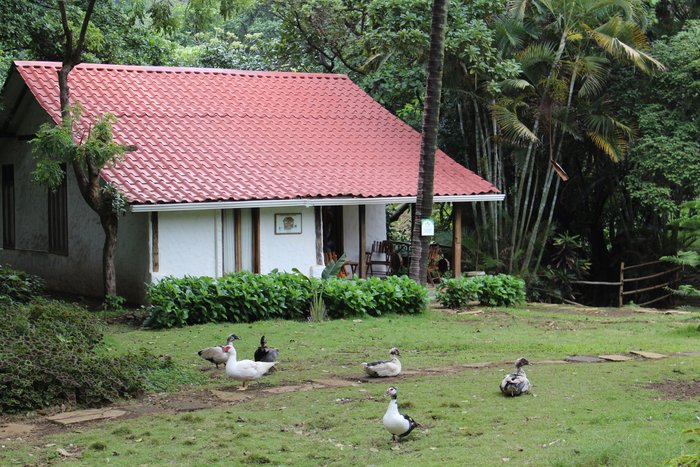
188	244
80	271
285	252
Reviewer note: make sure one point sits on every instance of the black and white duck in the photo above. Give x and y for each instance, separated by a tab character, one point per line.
216	354
384	368
396	423
515	384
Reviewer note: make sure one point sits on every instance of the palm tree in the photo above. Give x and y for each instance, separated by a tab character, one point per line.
565	49
431	117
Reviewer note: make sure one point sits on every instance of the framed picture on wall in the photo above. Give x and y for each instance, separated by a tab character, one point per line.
288	223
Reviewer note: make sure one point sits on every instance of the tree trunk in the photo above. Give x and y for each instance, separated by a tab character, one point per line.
431	117
109	221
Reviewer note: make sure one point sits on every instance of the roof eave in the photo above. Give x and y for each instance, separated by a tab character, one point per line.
309	202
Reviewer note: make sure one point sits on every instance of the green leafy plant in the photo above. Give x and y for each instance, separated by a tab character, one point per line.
689	460
458	292
247	297
50	356
237	298
317	308
498	290
18	286
113	303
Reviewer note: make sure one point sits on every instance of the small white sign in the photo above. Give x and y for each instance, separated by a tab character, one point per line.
427	227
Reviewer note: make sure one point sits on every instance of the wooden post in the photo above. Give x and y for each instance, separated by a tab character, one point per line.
361	263
255	221
154	242
622	284
319	234
238	246
457	240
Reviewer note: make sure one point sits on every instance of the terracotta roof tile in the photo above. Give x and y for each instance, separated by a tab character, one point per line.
228	135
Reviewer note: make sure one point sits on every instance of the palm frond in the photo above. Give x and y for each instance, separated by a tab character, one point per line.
591	71
537	54
609	135
515	84
624	40
511	127
509	32
517	8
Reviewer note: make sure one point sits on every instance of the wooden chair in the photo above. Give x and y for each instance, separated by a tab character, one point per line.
380	255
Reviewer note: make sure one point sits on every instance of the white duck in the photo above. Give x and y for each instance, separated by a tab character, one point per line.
515	384
383	368
395	422
244	370
216	354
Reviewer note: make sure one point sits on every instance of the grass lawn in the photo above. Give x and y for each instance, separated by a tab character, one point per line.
578	413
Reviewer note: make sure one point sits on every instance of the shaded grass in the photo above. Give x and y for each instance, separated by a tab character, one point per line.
578	414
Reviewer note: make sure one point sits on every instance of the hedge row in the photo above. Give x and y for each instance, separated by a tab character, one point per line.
246	297
499	290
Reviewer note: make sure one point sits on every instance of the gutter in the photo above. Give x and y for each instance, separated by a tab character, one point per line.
308	202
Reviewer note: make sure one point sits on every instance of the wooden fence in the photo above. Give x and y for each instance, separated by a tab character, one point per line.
648	282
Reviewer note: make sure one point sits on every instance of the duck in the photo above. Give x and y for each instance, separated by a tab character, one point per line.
216	354
244	370
396	423
384	368
515	384
265	353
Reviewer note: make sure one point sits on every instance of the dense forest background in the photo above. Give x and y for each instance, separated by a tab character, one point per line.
585	113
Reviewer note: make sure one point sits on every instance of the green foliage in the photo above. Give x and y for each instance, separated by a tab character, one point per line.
113	303
55	145
48	357
18	286
684	258
458	292
374	296
665	161
247	297
689	460
239	297
498	290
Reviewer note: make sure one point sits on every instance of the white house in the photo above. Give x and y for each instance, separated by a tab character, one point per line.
235	170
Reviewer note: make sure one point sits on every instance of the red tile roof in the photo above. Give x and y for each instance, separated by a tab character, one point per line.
226	135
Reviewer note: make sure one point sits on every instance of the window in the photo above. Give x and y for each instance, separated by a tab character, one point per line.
8	206
58	218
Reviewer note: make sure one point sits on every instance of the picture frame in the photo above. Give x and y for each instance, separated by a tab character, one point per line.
288	223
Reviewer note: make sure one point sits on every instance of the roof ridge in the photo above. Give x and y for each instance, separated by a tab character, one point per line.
183	70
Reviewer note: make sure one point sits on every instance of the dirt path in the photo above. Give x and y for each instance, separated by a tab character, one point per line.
35	428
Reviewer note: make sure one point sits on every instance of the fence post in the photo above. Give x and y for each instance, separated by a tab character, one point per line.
622	284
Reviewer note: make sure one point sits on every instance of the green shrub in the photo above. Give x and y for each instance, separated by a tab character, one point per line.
499	290
246	297
346	298
18	286
396	294
458	292
48	357
239	297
